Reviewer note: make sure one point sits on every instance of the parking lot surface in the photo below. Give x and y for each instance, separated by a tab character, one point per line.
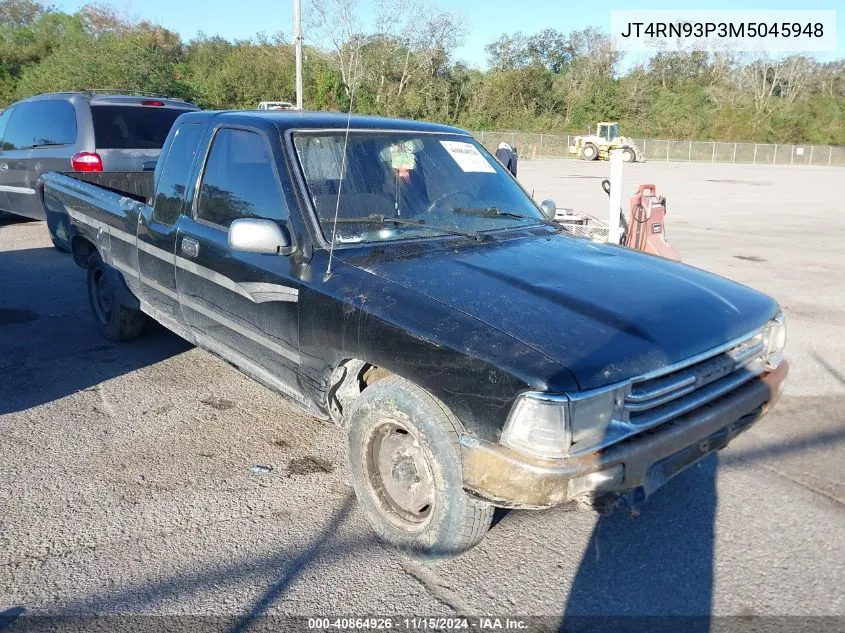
126	481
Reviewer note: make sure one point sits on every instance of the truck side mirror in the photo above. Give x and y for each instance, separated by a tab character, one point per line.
255	235
549	209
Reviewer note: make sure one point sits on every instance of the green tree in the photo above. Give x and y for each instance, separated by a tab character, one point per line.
125	62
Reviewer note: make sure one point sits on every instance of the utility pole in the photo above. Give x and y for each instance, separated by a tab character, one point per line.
297	39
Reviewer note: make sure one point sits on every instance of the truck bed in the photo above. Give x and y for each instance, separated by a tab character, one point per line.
131	184
99	206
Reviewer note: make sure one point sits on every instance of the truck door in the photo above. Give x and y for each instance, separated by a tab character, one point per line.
240	305
157	227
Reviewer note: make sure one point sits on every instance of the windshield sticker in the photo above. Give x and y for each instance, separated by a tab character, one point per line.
400	156
468	157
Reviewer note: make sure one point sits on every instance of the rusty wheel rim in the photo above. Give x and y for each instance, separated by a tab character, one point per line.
398	473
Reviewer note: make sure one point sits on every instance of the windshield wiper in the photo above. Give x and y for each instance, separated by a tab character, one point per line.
382	220
496	212
34	145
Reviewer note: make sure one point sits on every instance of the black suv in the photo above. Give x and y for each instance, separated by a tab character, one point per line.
77	131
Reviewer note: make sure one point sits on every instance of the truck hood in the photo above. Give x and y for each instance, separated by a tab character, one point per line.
605	313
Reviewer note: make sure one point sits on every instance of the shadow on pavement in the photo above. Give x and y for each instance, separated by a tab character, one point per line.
7	219
113	609
320	546
637	574
49	344
828	367
9	616
778	449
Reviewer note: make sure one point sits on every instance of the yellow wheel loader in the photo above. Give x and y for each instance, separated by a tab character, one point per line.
597	146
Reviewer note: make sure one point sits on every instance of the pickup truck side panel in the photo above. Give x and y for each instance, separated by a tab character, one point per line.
100	218
257	315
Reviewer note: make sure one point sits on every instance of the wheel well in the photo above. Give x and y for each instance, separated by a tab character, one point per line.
347	382
81	248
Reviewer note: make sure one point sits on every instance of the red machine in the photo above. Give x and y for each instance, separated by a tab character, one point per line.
645	228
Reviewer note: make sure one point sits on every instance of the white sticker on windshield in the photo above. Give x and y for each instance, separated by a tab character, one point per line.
468	157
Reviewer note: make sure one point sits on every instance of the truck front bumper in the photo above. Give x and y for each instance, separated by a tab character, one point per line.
643	462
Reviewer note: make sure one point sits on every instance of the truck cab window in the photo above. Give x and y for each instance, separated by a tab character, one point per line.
175	173
239	180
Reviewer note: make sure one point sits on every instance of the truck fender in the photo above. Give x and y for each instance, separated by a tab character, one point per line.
82	248
125	296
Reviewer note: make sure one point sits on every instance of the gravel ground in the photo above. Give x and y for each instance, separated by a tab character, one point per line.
125	483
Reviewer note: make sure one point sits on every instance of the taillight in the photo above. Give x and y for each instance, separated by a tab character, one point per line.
153	103
86	161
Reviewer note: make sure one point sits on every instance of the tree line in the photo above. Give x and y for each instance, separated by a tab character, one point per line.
400	61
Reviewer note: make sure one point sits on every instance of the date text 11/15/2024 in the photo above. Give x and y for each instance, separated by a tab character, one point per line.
419	624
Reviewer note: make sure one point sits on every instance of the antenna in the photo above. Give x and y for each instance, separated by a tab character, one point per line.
328	274
297	37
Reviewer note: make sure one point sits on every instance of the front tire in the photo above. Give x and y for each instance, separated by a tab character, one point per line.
405	461
589	152
115	321
628	155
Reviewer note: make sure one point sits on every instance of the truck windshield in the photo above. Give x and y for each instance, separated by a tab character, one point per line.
431	179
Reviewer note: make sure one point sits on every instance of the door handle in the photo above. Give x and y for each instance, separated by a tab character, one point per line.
190	247
4	166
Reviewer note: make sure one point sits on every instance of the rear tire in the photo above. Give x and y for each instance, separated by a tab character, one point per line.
115	321
589	152
405	462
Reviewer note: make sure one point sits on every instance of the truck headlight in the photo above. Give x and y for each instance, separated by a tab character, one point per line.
774	338
539	424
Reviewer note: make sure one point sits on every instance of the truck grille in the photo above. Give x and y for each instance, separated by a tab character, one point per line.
655	400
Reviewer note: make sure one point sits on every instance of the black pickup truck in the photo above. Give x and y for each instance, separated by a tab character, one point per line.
392	277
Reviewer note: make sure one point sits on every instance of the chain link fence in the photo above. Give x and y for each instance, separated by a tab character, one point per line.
530	145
